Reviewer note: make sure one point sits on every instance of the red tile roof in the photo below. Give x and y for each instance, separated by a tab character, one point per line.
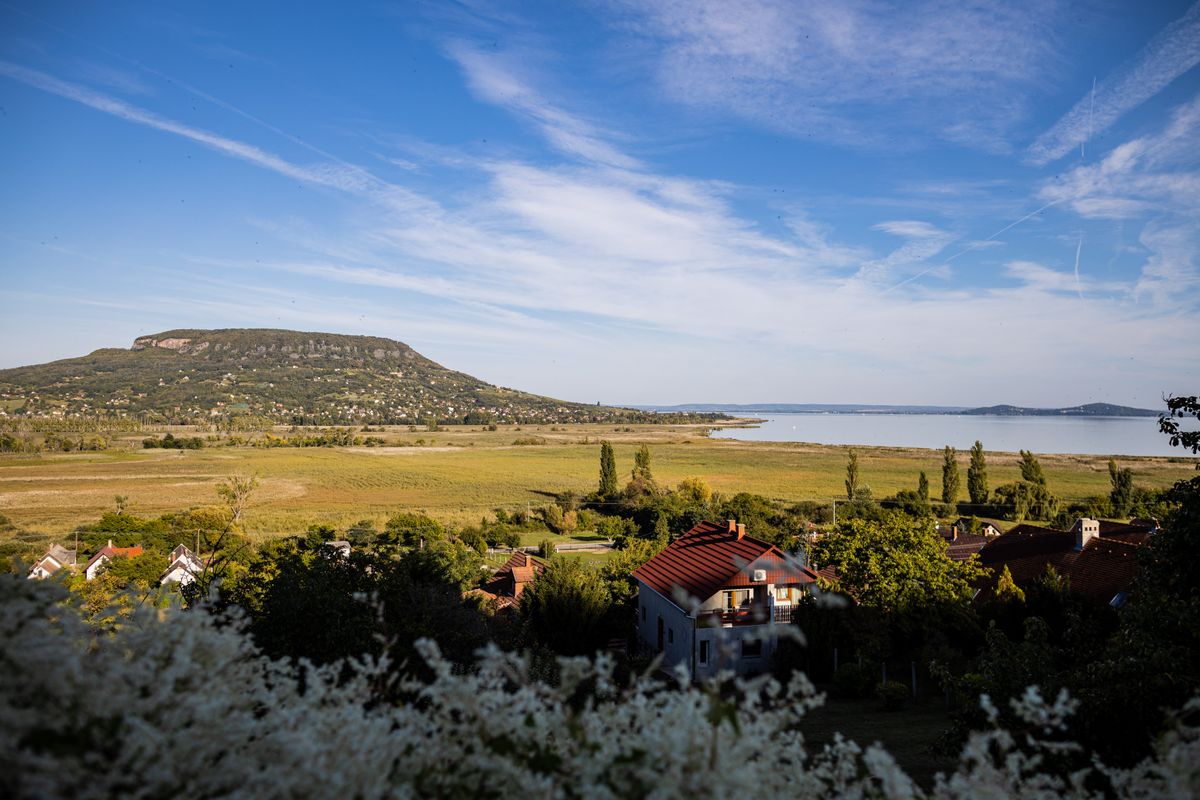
966	545
710	557
1105	566
114	552
520	568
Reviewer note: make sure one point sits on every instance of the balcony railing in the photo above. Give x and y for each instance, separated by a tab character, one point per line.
754	615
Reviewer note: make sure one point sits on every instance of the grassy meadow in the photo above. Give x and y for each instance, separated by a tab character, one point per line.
460	474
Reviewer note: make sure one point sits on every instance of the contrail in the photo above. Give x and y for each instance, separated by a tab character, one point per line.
979	244
1078	250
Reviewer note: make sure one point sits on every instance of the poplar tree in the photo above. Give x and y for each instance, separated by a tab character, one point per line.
923	488
851	475
608	470
1121	495
641	464
977	486
950	477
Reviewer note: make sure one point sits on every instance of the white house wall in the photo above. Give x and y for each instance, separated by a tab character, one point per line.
724	643
677	628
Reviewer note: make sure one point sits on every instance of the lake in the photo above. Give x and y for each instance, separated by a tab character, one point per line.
1129	436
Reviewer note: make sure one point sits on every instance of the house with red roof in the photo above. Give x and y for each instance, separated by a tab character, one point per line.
1097	557
508	582
709	600
106	554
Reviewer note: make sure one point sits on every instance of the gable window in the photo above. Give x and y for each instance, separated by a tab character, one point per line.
703	651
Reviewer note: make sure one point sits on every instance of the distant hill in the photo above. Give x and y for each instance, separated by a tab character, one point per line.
1089	410
805	408
284	376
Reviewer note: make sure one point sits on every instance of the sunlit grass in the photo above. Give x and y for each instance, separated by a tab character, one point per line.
469	472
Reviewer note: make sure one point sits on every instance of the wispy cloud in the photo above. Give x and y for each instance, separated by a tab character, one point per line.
1157	172
494	77
1174	51
810	68
588	258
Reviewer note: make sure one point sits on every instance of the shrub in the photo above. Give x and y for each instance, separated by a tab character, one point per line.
892	694
853	681
260	727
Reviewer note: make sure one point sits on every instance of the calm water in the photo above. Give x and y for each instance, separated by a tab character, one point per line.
1131	436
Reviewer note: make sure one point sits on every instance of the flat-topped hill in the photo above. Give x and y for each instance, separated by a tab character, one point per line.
287	376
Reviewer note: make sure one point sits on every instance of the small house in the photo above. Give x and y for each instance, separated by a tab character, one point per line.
56	558
184	567
106	554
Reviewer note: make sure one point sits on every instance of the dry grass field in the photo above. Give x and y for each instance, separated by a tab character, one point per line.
460	474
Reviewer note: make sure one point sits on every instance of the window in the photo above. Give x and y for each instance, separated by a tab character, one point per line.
736	598
751	649
670	636
704	651
643	613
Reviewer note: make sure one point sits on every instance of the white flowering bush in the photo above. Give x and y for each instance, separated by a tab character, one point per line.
180	704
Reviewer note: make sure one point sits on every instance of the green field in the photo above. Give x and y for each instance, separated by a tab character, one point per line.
460	474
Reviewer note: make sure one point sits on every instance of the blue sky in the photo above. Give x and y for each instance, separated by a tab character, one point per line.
923	202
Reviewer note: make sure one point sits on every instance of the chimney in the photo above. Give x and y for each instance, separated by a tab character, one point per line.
110	542
741	531
733	526
1085	530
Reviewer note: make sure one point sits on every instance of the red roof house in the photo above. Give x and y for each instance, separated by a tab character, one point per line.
1098	558
508	582
708	600
106	554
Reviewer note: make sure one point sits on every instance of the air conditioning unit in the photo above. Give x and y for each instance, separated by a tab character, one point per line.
760	576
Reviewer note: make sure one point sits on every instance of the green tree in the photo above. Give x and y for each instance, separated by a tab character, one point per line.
923	488
1121	496
1031	470
566	607
641	465
608	471
1006	588
977	486
897	563
412	530
851	475
950	476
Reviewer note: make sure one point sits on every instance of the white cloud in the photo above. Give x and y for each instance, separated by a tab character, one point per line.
597	264
1151	173
810	68
494	78
1174	51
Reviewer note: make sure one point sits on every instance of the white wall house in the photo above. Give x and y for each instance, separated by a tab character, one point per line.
106	554
709	600
184	567
56	558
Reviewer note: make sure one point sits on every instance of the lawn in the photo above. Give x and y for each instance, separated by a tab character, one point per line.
468	472
911	735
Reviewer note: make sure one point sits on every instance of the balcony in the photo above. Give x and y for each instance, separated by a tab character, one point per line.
753	615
